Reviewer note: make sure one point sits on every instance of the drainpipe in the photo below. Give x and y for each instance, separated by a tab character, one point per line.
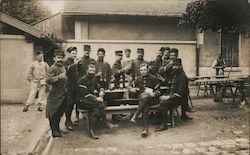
200	42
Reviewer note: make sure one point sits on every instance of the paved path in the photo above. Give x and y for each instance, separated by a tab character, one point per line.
238	146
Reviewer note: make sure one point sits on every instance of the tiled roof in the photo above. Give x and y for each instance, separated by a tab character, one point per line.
126	7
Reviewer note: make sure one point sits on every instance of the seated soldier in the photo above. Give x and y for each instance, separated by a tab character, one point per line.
89	101
178	95
148	90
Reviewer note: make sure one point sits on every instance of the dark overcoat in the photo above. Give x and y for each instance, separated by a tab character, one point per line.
58	91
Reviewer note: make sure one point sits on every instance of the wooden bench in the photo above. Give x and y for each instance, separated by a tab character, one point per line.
132	109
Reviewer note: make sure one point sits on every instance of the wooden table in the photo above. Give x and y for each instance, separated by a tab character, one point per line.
218	86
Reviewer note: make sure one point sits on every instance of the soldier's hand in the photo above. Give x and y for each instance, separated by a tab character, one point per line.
78	61
164	97
99	74
99	99
62	76
152	94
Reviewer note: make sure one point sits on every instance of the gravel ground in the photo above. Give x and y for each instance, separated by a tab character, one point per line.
213	123
20	129
216	129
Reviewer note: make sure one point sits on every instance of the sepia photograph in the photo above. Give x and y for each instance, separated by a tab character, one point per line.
125	77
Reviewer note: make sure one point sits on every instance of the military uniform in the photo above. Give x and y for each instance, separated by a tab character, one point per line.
82	68
119	74
106	73
145	100
178	96
129	76
166	71
88	101
155	66
56	100
72	86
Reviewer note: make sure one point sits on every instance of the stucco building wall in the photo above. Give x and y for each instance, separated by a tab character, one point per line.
16	56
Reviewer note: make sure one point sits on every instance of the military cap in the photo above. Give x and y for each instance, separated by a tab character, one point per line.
174	50
140	50
177	61
86	47
118	52
71	48
39	52
128	50
59	52
162	49
101	50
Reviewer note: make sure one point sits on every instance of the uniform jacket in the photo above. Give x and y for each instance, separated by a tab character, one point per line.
155	66
71	69
83	67
118	74
179	85
58	91
87	87
38	72
166	71
106	71
149	81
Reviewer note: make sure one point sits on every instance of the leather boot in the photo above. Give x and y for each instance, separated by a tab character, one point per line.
144	133
162	128
26	108
164	122
92	134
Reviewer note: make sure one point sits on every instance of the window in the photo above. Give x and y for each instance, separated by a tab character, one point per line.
230	48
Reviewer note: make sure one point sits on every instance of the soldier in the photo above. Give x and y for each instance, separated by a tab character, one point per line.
56	101
155	65
72	95
90	101
148	91
37	77
137	62
166	53
119	74
219	64
104	71
118	70
85	61
178	95
166	69
128	61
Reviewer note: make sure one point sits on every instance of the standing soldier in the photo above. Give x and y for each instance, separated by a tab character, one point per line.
72	95
90	101
85	61
103	70
155	65
166	69
149	90
37	78
119	74
128	61
118	70
140	60
56	101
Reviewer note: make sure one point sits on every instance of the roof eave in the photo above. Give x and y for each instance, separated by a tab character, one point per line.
172	14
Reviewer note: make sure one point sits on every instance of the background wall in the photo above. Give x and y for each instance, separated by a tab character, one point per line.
16	56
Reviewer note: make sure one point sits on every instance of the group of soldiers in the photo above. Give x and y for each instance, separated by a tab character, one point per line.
83	81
